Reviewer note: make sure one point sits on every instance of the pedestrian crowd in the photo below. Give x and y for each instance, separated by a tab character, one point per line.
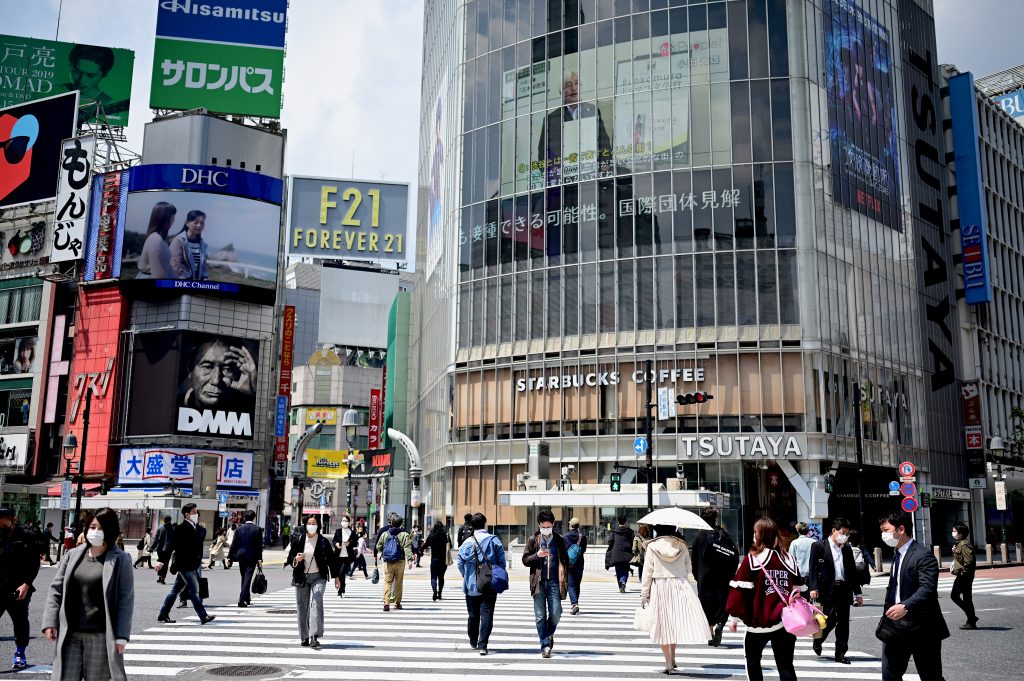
89	605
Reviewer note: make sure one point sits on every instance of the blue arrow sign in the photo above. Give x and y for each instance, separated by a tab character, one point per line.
894	486
640	446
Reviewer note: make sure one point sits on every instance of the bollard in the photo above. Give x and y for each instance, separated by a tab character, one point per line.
937	552
988	553
1018	547
1004	550
878	560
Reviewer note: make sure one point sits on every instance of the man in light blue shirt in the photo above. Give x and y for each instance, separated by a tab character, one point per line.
800	549
480	546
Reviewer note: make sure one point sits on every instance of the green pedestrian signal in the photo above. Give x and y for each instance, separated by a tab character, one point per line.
616	485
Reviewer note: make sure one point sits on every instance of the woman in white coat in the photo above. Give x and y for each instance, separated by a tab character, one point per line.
89	608
676	616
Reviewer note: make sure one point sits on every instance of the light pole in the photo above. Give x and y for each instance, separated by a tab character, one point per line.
68	451
351	461
997	447
71	444
350	424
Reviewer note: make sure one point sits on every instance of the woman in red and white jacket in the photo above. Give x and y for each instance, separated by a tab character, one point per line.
753	600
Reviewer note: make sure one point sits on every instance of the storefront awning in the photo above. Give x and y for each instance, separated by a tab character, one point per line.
131	502
632	496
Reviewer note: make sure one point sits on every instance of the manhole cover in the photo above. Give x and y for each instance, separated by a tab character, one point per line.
284	611
244	670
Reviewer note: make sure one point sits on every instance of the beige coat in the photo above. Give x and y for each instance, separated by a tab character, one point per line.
666	558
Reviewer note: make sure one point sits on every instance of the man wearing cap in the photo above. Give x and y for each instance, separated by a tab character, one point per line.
19	565
575	538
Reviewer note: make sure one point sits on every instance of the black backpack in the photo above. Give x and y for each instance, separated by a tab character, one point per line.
721	552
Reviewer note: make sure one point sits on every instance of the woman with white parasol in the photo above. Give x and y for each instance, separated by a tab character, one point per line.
675	613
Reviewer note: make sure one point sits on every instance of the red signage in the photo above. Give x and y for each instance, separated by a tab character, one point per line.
373	441
284	381
107	227
973	435
973	438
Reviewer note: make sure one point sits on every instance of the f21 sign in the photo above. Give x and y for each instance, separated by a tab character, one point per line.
74	174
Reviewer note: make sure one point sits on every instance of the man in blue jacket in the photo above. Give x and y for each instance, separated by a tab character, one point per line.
247	551
480	547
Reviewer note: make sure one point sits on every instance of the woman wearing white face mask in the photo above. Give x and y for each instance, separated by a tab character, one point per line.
89	609
345	543
312	562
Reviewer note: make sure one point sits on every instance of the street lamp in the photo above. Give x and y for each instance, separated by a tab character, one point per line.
71	444
350	423
997	447
351	460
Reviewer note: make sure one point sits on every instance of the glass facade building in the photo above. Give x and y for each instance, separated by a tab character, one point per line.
717	187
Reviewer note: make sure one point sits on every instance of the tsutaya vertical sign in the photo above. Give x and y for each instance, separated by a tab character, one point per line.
74	172
284	381
373	441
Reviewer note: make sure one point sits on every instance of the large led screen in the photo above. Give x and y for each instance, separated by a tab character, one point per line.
30	137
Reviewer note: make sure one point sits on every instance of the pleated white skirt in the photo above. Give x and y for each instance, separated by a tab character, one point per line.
676	615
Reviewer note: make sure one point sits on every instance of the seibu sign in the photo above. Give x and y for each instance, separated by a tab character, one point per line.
753	446
593	379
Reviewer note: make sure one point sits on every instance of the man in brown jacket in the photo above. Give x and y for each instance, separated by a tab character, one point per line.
548	560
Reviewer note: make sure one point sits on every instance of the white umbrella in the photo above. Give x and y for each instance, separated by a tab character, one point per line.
676	517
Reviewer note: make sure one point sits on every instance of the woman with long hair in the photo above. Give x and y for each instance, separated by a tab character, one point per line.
155	260
188	250
676	615
754	600
312	561
640	542
438	542
89	609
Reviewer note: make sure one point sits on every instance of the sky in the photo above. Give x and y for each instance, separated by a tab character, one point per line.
352	72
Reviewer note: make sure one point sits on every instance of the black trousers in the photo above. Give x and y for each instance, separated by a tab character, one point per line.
838	613
783	645
247	568
18	610
346	565
962	594
481	618
927	654
712	601
437	570
163	557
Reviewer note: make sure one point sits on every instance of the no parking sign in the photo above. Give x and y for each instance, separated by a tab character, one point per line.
907	469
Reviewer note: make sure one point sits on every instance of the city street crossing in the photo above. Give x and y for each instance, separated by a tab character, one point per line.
982	585
427	641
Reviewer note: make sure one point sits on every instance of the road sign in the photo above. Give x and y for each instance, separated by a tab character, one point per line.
65	495
979	483
907	469
666	398
222	497
894	492
894	486
225	513
640	446
909	504
1000	489
908	478
908	489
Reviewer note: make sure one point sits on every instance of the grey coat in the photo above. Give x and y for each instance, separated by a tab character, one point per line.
119	598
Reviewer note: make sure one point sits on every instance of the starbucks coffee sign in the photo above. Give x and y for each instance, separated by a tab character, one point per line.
743	446
565	381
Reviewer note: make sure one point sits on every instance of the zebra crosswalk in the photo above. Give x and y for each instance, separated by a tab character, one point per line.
982	586
426	641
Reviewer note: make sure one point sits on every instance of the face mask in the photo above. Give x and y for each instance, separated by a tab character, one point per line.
95	537
194	518
842	539
955	535
344	524
546	531
311	529
890	539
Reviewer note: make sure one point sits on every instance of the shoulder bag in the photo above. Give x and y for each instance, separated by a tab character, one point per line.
798	615
489	578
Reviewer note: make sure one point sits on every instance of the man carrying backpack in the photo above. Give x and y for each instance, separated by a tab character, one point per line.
466	531
576	543
480	551
395	549
715	559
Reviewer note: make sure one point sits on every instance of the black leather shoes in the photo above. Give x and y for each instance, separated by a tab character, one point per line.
969	625
817	647
243	604
841	659
208	618
165	619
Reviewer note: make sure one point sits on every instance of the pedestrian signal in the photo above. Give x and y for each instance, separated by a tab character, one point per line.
616	485
694	398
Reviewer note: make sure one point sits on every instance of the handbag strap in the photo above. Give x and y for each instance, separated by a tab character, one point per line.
483	556
794	593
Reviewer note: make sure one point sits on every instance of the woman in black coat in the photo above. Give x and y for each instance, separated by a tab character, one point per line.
438	543
313	561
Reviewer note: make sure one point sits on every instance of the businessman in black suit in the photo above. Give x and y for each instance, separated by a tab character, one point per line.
549	148
912	596
247	551
162	545
833	582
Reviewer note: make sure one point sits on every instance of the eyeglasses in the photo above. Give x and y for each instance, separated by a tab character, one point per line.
15	148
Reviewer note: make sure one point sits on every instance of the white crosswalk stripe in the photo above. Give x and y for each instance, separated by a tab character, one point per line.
982	585
427	641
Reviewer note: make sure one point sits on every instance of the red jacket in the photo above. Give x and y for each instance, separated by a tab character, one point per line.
751	596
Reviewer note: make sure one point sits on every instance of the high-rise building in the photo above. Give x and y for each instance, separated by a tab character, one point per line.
750	194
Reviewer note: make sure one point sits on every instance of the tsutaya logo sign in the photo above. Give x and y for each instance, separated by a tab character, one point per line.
752	446
592	379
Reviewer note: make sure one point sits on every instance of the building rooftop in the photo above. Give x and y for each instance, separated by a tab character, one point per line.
1003	81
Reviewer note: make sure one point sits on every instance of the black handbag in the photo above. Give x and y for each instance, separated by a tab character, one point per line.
259	582
897	631
204	588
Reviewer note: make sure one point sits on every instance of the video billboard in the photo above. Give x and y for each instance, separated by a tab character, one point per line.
331	218
201	228
31	135
34	68
195	384
18	355
225	58
862	113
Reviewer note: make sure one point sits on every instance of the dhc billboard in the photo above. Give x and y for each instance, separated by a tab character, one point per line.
969	190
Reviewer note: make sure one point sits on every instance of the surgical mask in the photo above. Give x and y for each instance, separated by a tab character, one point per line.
546	531
311	529
344	524
94	537
955	535
194	518
890	539
842	539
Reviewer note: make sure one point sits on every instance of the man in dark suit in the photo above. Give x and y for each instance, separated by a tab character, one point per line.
912	596
832	580
162	546
247	551
187	553
549	147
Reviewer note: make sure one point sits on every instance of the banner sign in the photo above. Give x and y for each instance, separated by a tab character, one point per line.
141	465
209	179
332	464
106	220
284	383
376	412
33	69
325	415
73	195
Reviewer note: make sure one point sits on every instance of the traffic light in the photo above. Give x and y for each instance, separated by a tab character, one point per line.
694	398
616	485
830	481
104	485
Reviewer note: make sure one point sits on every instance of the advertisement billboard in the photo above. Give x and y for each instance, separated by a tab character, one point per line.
862	113
332	463
348	294
31	135
13	450
1012	103
332	218
284	384
106	217
325	415
203	228
227	59
196	384
25	247
72	198
33	68
18	355
140	466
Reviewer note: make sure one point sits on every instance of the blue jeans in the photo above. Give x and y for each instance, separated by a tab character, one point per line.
547	609
575	577
481	618
622	573
188	581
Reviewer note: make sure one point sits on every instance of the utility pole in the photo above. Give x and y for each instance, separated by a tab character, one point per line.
81	461
649	430
860	460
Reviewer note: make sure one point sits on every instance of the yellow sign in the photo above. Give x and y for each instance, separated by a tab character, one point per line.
330	463
325	415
